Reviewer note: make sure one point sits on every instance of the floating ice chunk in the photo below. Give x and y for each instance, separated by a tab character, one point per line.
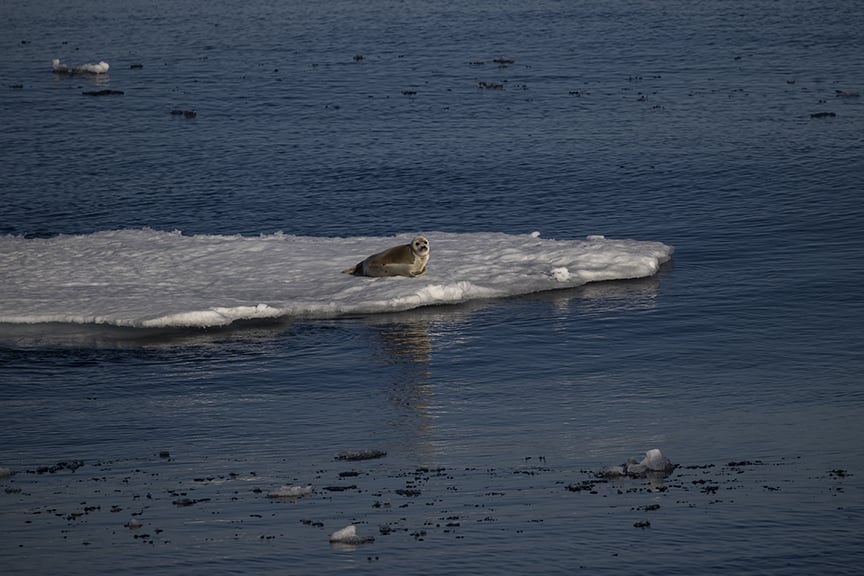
561	274
347	532
352	456
5	472
289	491
100	68
153	279
134	524
348	535
655	461
535	234
62	68
613	471
595	237
635	468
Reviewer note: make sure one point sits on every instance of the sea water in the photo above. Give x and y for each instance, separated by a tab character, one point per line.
177	340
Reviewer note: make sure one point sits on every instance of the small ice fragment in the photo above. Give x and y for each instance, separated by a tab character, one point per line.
348	535
635	468
133	524
100	68
561	274
5	472
361	455
654	460
58	67
289	491
347	532
535	234
612	471
595	237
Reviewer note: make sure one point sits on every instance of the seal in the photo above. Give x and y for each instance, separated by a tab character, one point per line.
405	260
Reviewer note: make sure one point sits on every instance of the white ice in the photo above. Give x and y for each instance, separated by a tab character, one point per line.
348	535
289	491
146	278
655	461
100	68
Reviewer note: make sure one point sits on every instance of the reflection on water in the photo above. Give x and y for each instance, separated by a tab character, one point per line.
98	336
405	348
405	342
406	345
603	297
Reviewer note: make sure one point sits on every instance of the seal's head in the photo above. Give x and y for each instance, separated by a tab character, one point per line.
420	246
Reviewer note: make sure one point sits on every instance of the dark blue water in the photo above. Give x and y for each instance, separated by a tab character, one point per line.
668	121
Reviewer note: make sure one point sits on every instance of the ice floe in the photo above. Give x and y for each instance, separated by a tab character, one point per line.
145	278
100	68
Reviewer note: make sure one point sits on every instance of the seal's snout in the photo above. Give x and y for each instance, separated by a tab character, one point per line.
420	245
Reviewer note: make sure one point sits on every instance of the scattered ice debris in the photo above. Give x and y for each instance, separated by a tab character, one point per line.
348	535
561	274
361	455
341	488
409	492
613	471
653	462
181	502
100	68
104	92
657	462
289	491
5	472
59	467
